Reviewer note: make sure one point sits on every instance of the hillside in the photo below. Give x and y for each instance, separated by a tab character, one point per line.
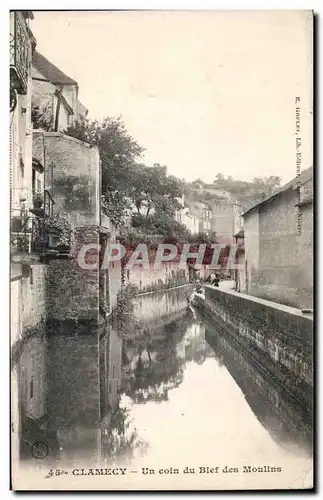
244	193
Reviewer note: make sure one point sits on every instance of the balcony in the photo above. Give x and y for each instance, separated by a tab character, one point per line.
19	52
29	233
45	208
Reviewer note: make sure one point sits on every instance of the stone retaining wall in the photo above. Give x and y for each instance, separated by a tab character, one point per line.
280	341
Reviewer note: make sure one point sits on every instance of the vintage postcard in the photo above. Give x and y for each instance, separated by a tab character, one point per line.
161	215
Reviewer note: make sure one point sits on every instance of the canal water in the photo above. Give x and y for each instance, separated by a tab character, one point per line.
173	394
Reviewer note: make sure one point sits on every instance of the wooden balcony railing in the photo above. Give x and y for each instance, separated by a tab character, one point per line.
20	48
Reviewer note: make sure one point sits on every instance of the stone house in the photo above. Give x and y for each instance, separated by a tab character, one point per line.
183	216
226	219
73	180
26	272
278	236
55	100
73	177
202	214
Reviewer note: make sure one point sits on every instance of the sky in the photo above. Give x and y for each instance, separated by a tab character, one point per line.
203	92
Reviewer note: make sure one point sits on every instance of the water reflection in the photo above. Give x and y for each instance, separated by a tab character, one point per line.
92	397
287	421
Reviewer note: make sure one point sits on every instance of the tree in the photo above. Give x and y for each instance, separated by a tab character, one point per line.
119	154
218	178
163	370
152	188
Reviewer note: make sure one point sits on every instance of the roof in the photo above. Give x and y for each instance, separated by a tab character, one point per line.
239	234
305	176
306	200
50	71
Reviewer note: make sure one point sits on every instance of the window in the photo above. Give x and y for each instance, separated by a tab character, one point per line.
33	182
31	388
38	185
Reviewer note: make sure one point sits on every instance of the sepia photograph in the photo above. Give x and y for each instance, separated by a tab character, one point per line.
161	250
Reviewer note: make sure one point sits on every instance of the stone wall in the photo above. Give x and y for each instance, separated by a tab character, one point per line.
32	376
72	175
27	300
152	310
33	295
152	279
278	337
305	257
72	293
224	220
73	396
279	260
251	241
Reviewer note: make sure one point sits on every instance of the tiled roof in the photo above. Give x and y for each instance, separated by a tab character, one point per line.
50	71
305	176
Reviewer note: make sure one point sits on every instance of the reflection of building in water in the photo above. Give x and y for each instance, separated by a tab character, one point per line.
68	387
194	335
154	361
281	415
110	372
194	346
31	385
160	307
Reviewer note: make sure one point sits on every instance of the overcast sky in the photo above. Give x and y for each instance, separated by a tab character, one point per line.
203	92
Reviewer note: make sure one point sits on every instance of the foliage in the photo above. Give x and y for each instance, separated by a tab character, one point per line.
152	188
38	197
122	314
125	181
119	153
119	440
244	193
116	206
158	227
60	226
152	380
42	117
248	193
74	191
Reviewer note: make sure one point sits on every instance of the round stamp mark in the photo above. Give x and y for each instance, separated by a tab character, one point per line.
39	449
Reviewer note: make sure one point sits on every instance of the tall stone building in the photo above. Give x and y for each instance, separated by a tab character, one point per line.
278	237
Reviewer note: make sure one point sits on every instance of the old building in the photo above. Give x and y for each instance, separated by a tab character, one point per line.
47	233
73	181
22	44
26	185
226	219
278	235
183	216
55	102
200	212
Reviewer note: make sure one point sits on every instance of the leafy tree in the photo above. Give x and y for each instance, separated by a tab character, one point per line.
152	188
119	154
152	380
